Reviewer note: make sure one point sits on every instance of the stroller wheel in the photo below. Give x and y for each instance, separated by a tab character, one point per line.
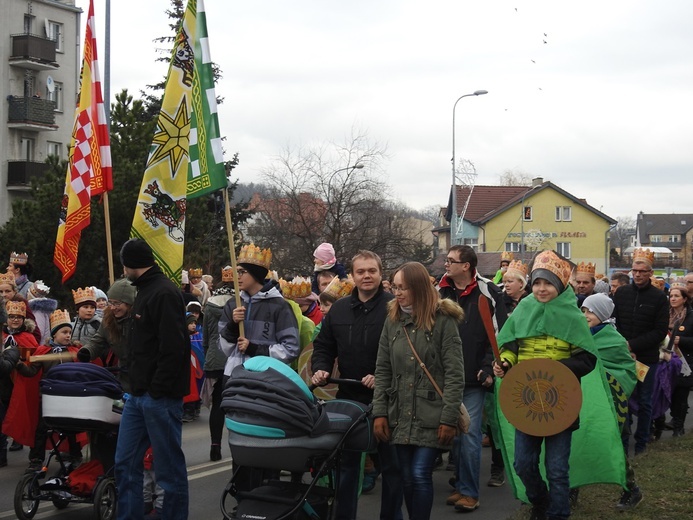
60	502
105	499
26	500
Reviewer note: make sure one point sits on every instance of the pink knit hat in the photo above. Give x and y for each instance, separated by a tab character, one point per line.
325	252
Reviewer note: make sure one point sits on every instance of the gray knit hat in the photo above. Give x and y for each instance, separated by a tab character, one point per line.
600	305
122	291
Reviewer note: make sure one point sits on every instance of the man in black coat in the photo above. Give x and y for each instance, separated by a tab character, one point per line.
642	317
159	370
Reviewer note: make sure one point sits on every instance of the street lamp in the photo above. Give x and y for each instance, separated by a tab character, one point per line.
453	219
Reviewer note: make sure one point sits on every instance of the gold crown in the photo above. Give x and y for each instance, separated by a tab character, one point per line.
518	268
273	275
678	285
339	288
227	274
549	260
59	319
657	282
299	287
506	256
19	259
15	308
39	289
586	268
644	255
84	295
7	278
195	272
254	255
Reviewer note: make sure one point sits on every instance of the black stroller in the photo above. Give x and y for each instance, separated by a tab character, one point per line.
275	423
76	397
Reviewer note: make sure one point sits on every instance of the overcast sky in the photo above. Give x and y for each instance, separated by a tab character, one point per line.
595	96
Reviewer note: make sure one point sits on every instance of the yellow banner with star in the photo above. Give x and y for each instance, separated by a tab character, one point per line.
160	212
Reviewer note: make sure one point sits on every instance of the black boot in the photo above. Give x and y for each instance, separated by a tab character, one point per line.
678	432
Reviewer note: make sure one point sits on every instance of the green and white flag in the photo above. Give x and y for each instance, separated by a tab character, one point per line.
206	171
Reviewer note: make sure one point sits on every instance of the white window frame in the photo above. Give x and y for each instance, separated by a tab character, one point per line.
54	148
562	248
27	147
472	242
513	247
525	210
55	33
675	239
655	238
57	96
564	214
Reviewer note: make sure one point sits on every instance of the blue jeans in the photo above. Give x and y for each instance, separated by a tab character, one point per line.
468	461
349	481
159	422
644	397
556	461
416	464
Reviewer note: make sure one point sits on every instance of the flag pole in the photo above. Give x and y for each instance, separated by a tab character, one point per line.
232	250
109	245
107	103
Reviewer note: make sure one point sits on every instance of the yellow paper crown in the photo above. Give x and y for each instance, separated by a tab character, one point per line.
254	255
549	260
15	308
227	274
299	287
19	259
644	255
195	272
506	256
518	268
586	268
84	295
339	288
678	285
59	319
7	278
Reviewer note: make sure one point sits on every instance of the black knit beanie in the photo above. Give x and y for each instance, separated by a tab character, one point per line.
549	277
136	254
256	271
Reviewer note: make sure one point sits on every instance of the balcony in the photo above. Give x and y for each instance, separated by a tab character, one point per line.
33	52
21	173
30	113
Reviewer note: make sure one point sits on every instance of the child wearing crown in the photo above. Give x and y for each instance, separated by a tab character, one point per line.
60	343
86	322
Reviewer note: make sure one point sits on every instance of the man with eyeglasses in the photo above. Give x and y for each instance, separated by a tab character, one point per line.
464	285
642	317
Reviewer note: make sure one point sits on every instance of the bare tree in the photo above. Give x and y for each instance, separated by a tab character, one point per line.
515	178
332	193
620	235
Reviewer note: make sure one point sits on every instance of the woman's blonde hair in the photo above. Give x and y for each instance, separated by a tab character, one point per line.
425	298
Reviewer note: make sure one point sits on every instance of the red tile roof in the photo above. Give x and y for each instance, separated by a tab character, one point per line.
486	199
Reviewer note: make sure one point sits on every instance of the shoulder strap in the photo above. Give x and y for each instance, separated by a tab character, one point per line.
422	364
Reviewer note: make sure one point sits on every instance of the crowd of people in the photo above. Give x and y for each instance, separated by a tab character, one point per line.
418	345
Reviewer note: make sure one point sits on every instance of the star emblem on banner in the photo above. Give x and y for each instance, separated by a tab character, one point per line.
171	140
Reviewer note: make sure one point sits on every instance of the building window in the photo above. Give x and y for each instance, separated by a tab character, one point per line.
27	149
655	238
56	96
564	213
28	23
55	149
563	249
54	31
513	247
527	213
472	242
674	239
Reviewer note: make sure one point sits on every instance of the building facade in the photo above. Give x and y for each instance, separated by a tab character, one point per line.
671	233
39	73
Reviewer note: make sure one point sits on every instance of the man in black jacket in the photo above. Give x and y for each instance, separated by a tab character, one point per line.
350	333
642	317
159	370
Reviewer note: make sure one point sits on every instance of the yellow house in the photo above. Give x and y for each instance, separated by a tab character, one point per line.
548	217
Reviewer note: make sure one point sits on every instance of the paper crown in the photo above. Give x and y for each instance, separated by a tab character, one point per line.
19	259
273	275
586	268
254	255
7	278
518	268
60	318
39	289
227	274
506	256
195	272
84	295
678	285
551	262
299	287
15	308
339	288
644	255
657	282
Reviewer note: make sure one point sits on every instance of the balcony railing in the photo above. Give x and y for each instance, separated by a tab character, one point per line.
31	48
31	111
21	173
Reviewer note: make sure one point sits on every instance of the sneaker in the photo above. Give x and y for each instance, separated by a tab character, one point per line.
15	446
467	504
215	452
368	483
188	416
34	465
497	479
452	499
629	499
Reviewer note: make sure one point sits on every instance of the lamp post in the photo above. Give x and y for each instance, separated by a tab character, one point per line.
453	220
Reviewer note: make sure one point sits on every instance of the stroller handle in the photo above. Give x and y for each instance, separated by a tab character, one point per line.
337	381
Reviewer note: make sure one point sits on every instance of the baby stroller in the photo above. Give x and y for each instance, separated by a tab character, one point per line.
77	397
275	423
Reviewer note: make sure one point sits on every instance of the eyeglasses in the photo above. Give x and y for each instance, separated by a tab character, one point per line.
398	289
453	261
13	317
114	303
241	272
641	271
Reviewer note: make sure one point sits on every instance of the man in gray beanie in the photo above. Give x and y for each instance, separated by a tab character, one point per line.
159	371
